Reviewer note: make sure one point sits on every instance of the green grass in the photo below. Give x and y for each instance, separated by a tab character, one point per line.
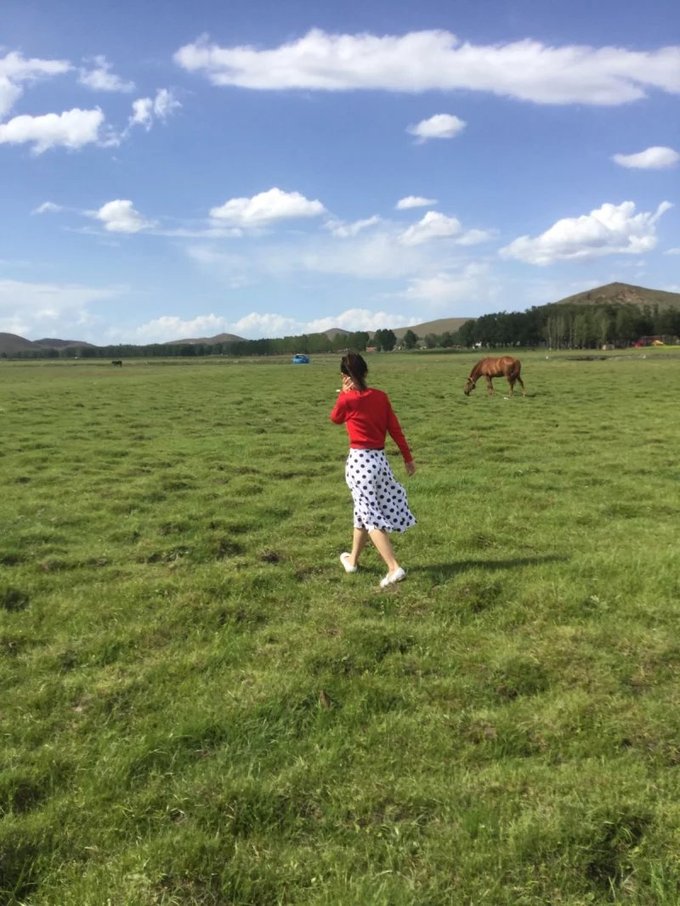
198	706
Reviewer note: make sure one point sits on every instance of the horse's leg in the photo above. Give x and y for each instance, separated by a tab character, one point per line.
521	383
511	381
489	384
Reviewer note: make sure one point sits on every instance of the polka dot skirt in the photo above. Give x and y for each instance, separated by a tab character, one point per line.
379	500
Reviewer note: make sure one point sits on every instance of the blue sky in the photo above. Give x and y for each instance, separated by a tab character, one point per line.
176	170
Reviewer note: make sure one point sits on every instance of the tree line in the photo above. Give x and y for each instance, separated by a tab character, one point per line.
571	326
556	326
306	343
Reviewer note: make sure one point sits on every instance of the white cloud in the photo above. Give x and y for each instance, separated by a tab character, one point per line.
146	110
378	253
414	201
433	226
165	103
15	70
471	289
47	207
347	230
142	113
359	319
274	325
373	255
441	125
265	325
16	67
475	237
41	309
169	327
9	95
252	326
266	208
100	78
72	129
120	216
655	158
438	60
610	229
672	251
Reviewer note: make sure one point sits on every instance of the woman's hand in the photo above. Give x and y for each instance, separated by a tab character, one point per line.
410	468
347	383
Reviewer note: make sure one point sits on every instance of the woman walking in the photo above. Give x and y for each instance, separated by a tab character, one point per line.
380	503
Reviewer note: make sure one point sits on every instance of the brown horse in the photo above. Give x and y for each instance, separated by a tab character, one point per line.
505	366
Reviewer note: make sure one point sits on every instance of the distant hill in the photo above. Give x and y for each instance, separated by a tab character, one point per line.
610	294
442	325
11	343
209	341
623	294
421	330
60	344
335	332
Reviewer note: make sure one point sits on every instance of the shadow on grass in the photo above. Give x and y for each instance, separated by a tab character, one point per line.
455	568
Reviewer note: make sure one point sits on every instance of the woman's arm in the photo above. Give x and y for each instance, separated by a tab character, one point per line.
338	414
397	435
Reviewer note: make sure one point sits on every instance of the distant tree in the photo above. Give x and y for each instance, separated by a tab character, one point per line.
489	329
339	342
647	324
317	342
466	334
359	340
605	324
667	322
584	330
385	340
624	325
431	340
410	340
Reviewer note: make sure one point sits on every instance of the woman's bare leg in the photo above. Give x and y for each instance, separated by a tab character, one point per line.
383	545
359	539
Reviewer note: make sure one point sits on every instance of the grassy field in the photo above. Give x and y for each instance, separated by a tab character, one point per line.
198	706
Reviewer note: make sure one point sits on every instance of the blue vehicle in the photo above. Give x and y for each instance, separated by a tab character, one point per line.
300	359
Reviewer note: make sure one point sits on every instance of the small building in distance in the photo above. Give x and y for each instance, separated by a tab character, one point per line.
652	341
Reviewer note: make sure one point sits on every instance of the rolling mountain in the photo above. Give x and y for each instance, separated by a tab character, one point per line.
11	343
209	341
421	330
610	294
61	344
623	294
438	327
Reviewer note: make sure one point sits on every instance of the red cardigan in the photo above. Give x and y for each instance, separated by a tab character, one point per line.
368	416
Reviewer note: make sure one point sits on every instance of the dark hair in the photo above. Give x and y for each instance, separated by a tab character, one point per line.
354	366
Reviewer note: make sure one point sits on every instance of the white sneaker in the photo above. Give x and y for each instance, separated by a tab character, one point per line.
393	578
344	559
